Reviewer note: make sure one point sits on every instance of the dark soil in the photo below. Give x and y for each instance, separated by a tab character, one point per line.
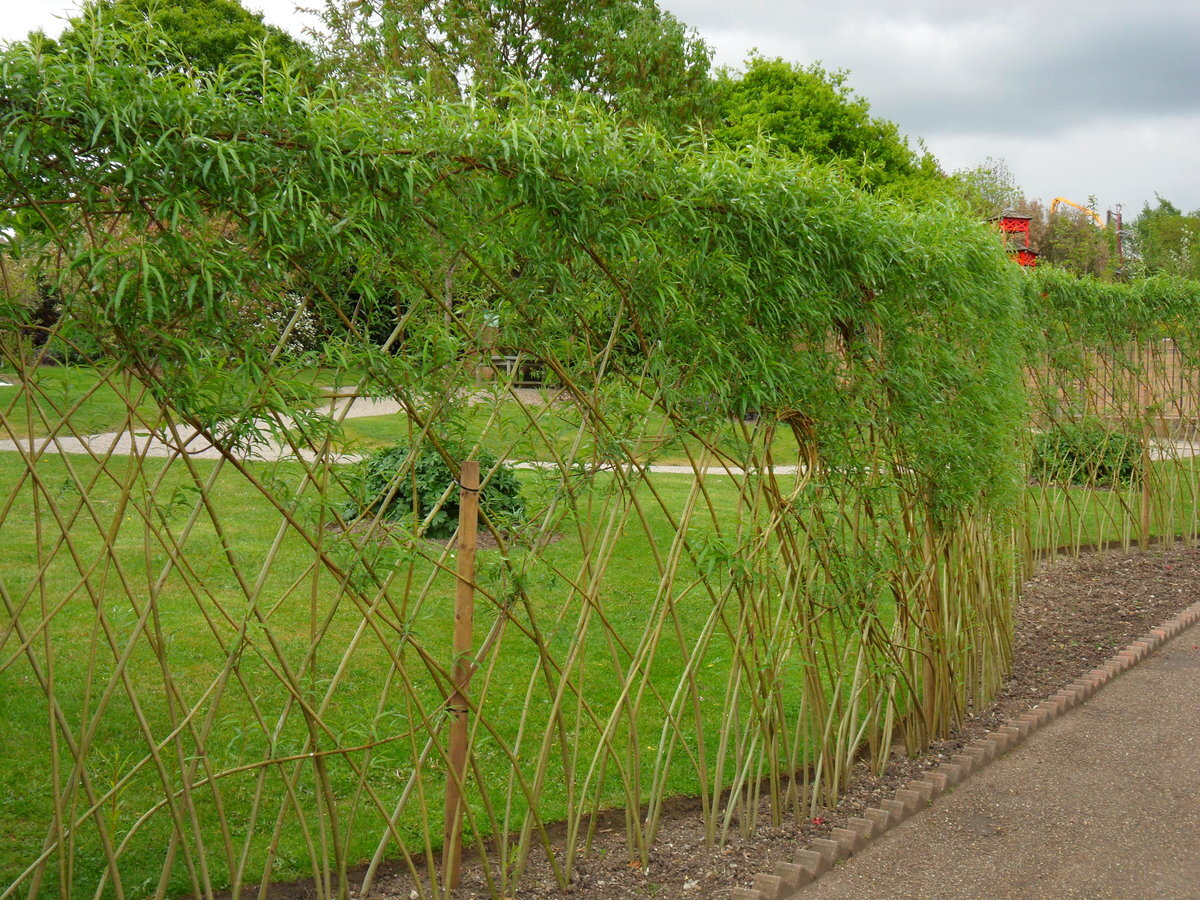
1073	615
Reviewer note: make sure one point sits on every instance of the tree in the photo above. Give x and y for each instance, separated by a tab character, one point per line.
1167	240
990	189
172	39
633	56
206	34
1068	239
810	111
1071	240
169	200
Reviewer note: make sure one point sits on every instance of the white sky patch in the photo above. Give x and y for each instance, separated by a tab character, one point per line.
284	14
899	62
1141	160
19	17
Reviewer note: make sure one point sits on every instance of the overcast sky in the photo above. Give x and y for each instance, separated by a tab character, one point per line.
1079	98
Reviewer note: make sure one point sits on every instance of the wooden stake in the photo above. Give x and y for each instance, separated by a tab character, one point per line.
1144	400
464	618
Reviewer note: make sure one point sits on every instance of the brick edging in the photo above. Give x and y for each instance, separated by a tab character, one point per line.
808	865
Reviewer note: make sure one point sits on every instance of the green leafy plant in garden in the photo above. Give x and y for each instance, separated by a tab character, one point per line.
418	487
1087	453
808	110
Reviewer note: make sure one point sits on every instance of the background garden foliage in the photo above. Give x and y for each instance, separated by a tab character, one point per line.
425	496
845	380
1087	453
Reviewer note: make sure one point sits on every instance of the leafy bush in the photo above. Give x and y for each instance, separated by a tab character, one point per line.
1088	453
427	474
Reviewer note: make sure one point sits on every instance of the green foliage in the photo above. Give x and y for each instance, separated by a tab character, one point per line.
810	111
1071	240
1111	367
1068	240
670	287
1167	241
20	299
1064	311
1087	453
32	307
989	189
416	486
205	35
833	573
723	261
630	55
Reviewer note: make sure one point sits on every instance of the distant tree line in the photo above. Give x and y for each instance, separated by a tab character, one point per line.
1160	240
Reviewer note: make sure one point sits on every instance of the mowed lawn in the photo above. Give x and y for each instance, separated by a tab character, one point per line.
213	671
71	399
1080	517
512	431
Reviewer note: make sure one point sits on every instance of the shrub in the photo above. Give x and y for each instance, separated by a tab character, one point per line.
427	474
1088	453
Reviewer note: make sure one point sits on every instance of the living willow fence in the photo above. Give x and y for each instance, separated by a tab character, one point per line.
1113	379
770	491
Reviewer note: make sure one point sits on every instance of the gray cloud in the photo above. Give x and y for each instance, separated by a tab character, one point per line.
1102	95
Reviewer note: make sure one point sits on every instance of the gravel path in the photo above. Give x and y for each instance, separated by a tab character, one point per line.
1101	803
126	443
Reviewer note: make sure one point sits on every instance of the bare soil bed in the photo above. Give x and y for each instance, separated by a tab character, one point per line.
1073	615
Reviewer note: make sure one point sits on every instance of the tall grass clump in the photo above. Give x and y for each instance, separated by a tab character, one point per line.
219	667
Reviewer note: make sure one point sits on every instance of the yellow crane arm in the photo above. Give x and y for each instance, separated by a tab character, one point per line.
1091	212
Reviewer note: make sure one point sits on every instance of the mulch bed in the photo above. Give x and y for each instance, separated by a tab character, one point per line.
1073	615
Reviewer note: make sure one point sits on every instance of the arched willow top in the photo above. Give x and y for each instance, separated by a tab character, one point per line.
730	281
1063	307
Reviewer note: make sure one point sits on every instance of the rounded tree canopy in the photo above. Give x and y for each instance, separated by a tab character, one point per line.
812	112
203	34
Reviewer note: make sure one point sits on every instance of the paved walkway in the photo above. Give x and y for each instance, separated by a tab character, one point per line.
126	443
1104	802
341	407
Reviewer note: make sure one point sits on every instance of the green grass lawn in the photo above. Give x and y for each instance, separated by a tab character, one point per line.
1079	517
54	395
70	399
522	434
176	658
